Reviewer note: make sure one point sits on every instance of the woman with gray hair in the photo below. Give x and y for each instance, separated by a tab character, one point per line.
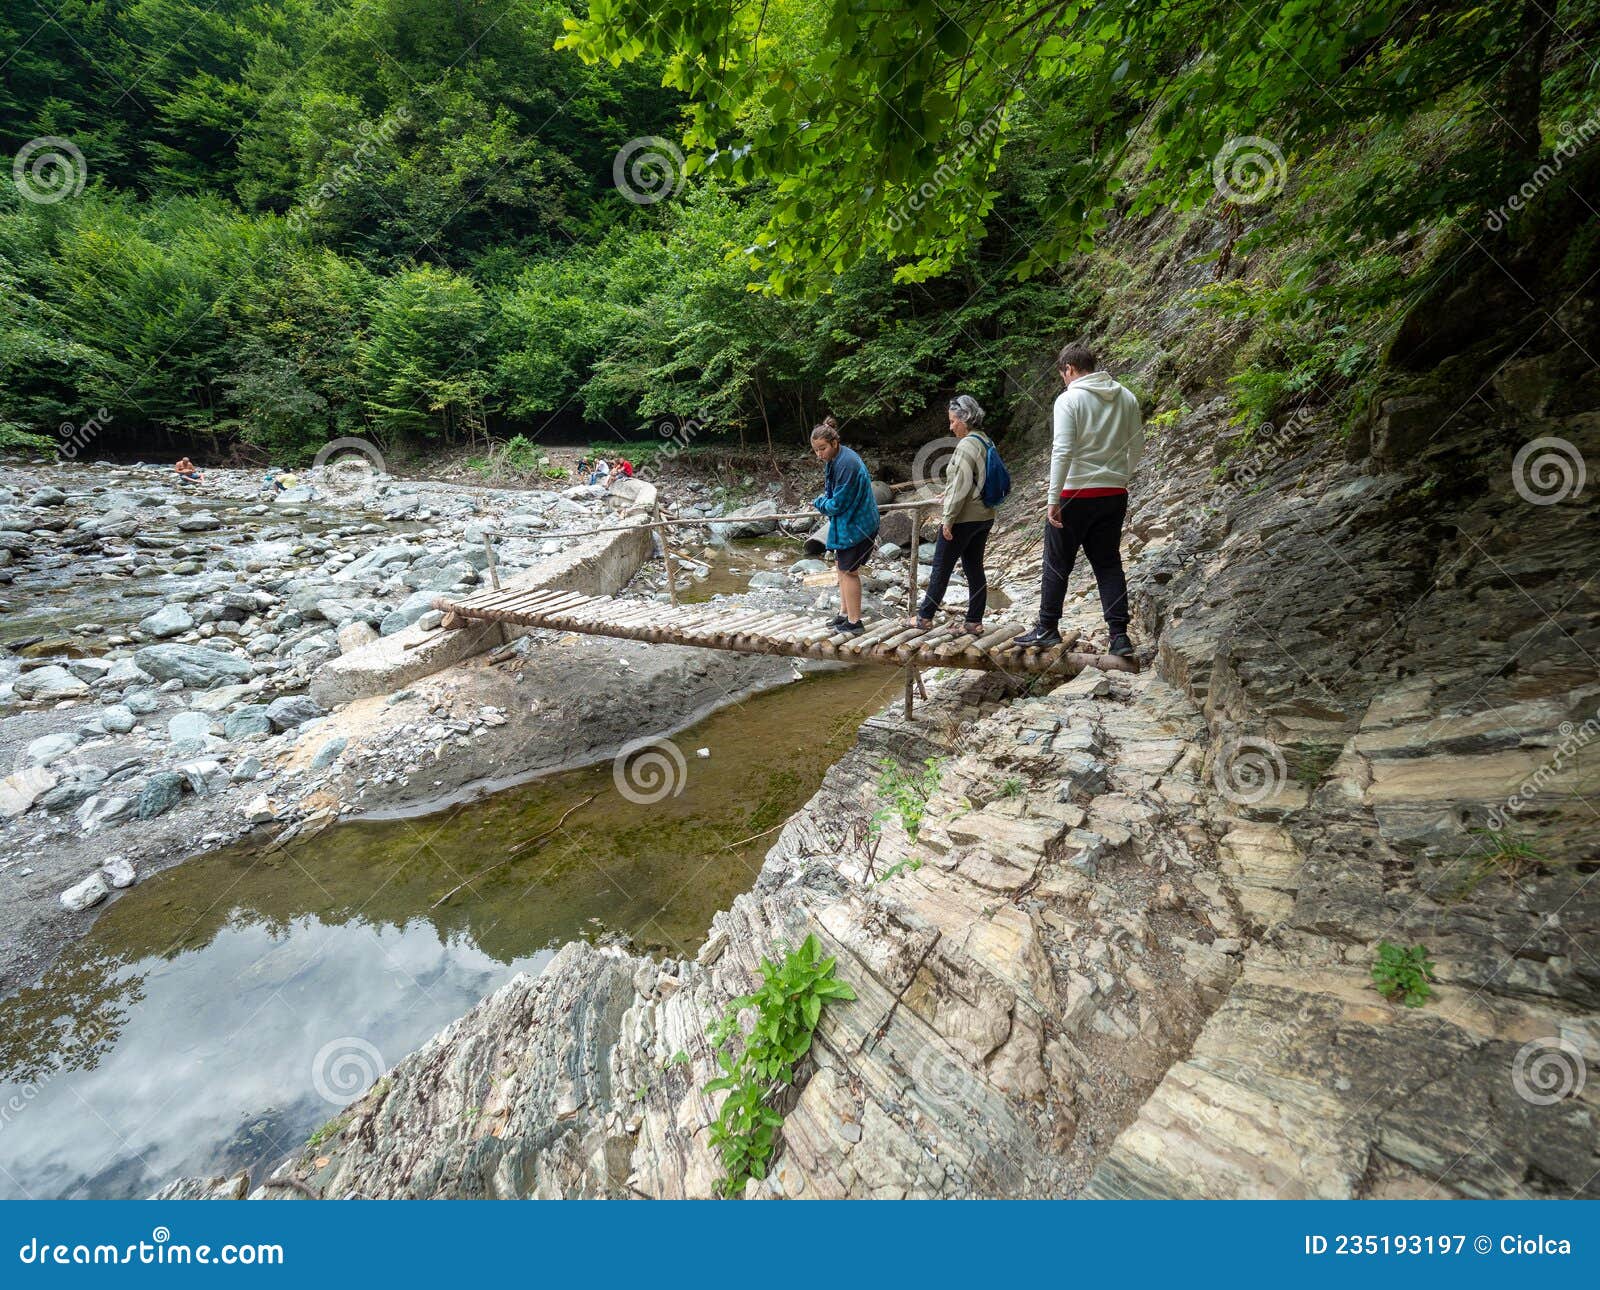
965	522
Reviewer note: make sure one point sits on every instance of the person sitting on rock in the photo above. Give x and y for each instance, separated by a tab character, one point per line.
852	513
966	521
187	474
1098	440
601	474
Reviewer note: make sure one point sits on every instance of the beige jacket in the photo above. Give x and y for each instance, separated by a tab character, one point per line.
963	482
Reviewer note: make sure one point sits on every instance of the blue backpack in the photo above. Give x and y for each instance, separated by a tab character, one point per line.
996	478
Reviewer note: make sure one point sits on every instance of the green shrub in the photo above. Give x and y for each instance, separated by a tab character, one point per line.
905	793
788	1005
1403	974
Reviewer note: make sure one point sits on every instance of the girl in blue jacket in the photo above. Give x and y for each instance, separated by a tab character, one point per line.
852	513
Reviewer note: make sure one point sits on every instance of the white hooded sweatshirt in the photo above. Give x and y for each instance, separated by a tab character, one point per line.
1099	435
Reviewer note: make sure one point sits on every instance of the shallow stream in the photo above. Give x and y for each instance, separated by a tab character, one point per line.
220	1012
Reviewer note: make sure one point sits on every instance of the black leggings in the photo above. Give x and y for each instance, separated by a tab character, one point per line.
967	546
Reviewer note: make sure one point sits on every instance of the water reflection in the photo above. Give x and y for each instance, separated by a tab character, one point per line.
197	1028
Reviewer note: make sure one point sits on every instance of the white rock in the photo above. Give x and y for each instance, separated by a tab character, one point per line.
205	776
20	791
118	871
52	748
91	891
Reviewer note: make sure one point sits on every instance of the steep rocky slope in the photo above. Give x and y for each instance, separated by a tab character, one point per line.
1136	958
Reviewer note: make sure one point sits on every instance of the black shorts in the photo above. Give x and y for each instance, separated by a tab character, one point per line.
851	558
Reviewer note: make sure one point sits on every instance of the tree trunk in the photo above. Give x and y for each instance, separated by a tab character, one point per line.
1516	128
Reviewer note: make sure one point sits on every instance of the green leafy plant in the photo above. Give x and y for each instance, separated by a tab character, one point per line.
1012	787
788	1005
1403	974
910	864
905	793
325	1131
13	436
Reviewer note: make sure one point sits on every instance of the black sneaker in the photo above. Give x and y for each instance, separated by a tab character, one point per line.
854	629
839	622
1038	635
1120	645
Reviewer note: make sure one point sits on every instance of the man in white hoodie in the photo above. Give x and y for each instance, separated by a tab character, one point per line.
1099	438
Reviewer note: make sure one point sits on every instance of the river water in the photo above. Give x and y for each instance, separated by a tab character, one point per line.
218	1013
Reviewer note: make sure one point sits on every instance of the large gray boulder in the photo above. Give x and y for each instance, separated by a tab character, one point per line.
197	666
292	710
169	620
46	684
747	522
52	748
252	719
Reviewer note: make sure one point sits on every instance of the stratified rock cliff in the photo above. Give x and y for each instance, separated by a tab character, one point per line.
1136	957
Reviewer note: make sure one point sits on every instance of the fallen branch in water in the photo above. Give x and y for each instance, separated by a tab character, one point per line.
741	842
521	846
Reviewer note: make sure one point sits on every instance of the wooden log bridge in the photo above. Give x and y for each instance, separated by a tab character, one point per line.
780	632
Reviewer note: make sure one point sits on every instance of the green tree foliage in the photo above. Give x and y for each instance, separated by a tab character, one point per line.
855	117
420	362
312	218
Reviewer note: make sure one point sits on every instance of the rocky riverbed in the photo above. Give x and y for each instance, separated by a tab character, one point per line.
1131	950
161	644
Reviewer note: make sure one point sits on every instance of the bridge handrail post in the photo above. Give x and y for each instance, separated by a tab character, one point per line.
915	541
661	529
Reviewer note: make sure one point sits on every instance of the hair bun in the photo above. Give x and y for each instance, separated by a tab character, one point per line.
830	422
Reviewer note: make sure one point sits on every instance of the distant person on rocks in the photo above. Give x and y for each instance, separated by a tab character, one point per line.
966	521
601	474
1098	440
188	475
852	513
622	468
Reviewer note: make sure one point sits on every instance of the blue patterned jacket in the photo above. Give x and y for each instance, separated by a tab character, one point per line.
847	501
